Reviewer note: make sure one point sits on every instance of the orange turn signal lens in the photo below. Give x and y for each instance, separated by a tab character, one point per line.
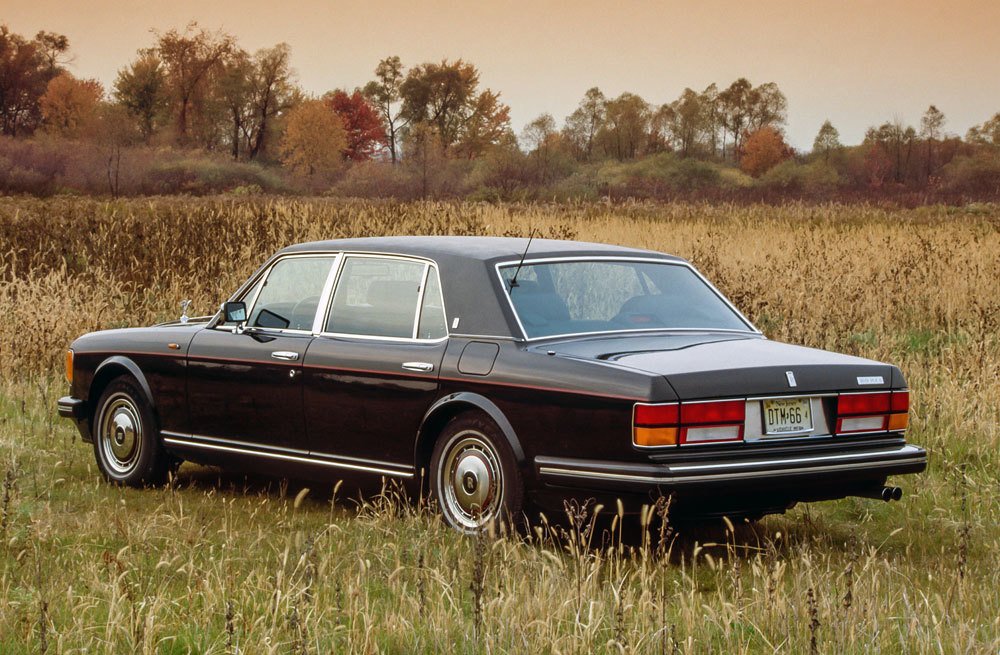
69	366
898	422
654	436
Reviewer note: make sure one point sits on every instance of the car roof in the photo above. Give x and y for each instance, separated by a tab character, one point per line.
472	292
473	247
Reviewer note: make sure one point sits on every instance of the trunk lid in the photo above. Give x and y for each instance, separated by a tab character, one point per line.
720	365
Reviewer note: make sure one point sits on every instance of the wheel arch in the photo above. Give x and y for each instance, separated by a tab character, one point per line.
108	370
447	408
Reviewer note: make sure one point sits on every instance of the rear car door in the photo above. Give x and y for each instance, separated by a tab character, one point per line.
245	386
372	372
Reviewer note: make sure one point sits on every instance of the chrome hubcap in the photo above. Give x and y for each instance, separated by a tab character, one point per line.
471	481
120	434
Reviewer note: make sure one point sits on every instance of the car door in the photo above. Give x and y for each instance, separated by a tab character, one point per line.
372	372
245	382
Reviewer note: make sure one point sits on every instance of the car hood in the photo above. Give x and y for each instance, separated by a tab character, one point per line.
707	365
138	339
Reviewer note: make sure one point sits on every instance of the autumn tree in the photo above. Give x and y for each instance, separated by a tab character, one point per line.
712	117
827	140
272	91
505	169
446	97
26	67
585	122
54	51
768	106
763	149
896	141
245	94
541	140
745	108
233	89
931	128
424	155
988	133
114	133
363	125
686	122
384	94
658	138
735	106
314	139
69	106
440	95
626	123
141	88
487	124
190	59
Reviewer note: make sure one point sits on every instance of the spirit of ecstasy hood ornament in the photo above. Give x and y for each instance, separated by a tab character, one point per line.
185	304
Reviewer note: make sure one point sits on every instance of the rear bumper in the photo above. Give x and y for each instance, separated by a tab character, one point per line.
76	409
778	478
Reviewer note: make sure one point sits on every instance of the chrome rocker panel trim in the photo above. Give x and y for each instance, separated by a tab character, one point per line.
288	455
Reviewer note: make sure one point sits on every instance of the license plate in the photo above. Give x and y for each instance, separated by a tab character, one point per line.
787	416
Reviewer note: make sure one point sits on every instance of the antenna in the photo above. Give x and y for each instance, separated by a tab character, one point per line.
513	280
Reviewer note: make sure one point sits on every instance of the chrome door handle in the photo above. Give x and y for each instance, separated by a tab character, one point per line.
285	355
424	367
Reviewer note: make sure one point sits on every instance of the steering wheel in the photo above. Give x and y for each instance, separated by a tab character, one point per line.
296	314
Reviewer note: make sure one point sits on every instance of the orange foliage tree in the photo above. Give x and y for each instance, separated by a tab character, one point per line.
314	139
762	150
69	106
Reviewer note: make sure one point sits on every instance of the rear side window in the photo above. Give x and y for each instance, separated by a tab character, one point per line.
432	321
379	297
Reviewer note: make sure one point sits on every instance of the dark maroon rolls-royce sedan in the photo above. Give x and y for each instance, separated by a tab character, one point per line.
500	373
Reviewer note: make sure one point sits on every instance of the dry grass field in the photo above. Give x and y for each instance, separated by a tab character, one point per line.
226	564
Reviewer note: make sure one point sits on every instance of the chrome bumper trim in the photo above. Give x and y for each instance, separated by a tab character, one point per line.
70	407
907	455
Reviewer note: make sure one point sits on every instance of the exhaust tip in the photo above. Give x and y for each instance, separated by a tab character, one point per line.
897	493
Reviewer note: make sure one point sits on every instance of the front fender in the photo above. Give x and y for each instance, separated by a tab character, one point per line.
111	368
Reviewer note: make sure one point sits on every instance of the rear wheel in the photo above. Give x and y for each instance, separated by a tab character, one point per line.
475	476
126	437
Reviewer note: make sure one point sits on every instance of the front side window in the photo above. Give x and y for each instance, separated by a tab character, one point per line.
378	297
291	294
578	297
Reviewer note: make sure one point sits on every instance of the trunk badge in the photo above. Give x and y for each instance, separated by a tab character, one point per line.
791	379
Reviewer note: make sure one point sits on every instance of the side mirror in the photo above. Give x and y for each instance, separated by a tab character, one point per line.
235	312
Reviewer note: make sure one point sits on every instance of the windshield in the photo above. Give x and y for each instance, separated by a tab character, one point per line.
579	297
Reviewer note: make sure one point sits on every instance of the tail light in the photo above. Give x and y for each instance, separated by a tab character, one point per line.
712	421
899	419
872	412
655	425
671	424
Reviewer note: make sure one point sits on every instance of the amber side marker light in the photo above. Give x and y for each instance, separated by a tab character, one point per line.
655	425
69	366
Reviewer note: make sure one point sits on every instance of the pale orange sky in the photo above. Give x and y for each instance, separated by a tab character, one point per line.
856	62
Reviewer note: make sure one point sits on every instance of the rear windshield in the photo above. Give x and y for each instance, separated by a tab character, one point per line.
579	297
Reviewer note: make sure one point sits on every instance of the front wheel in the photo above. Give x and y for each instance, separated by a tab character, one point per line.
126	437
476	480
